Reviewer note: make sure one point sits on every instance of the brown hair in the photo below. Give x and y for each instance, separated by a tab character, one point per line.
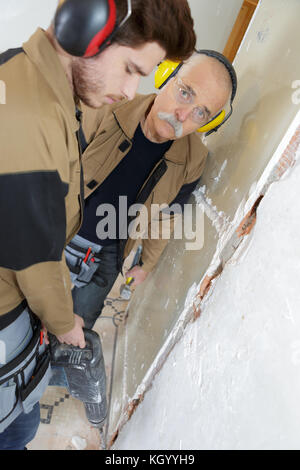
167	22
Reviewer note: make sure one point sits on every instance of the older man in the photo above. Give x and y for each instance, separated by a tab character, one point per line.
147	151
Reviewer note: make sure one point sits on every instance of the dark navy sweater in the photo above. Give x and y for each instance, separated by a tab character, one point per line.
125	180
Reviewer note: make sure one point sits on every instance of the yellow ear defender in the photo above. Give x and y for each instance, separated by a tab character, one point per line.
168	69
215	122
165	71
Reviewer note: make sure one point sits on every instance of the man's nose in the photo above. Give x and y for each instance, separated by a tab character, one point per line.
182	113
130	86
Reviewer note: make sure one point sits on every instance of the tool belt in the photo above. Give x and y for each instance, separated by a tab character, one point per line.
23	380
82	258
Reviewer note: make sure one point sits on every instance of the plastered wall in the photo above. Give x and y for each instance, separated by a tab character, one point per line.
267	65
20	18
232	382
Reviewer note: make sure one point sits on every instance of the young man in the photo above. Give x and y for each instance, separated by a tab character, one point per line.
95	51
149	152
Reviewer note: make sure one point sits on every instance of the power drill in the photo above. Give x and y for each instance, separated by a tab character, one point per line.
84	373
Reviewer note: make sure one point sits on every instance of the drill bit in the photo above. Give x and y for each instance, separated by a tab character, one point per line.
102	439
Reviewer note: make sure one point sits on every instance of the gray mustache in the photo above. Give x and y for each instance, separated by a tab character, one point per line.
177	126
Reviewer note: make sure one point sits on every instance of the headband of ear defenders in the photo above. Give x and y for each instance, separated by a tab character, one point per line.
83	28
169	69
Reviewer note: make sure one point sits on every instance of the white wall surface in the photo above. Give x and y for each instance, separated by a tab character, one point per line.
214	20
20	18
233	382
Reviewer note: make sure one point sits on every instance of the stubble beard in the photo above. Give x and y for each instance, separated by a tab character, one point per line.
87	85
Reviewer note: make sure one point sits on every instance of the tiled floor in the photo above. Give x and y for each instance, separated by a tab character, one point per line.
63	422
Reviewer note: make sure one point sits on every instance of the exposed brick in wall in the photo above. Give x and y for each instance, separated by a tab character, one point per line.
288	158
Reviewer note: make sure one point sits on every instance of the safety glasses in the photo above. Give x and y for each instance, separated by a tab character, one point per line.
185	95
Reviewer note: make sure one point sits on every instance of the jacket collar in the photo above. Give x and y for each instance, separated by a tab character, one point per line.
41	52
130	113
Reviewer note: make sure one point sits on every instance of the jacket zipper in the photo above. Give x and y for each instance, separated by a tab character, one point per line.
81	196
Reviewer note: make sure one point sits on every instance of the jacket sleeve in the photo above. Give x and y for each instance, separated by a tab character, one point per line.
32	239
47	289
34	183
153	247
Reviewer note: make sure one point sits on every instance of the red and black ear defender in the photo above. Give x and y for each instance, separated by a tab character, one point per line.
169	69
83	28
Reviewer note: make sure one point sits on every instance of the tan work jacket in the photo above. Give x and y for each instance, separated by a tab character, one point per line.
40	203
109	132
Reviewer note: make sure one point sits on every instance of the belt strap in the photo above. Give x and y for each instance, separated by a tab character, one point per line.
10	366
10	317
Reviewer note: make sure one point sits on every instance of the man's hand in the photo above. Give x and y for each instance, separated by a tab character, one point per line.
138	274
76	335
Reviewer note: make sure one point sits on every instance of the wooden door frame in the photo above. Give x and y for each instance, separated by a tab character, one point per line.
240	27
